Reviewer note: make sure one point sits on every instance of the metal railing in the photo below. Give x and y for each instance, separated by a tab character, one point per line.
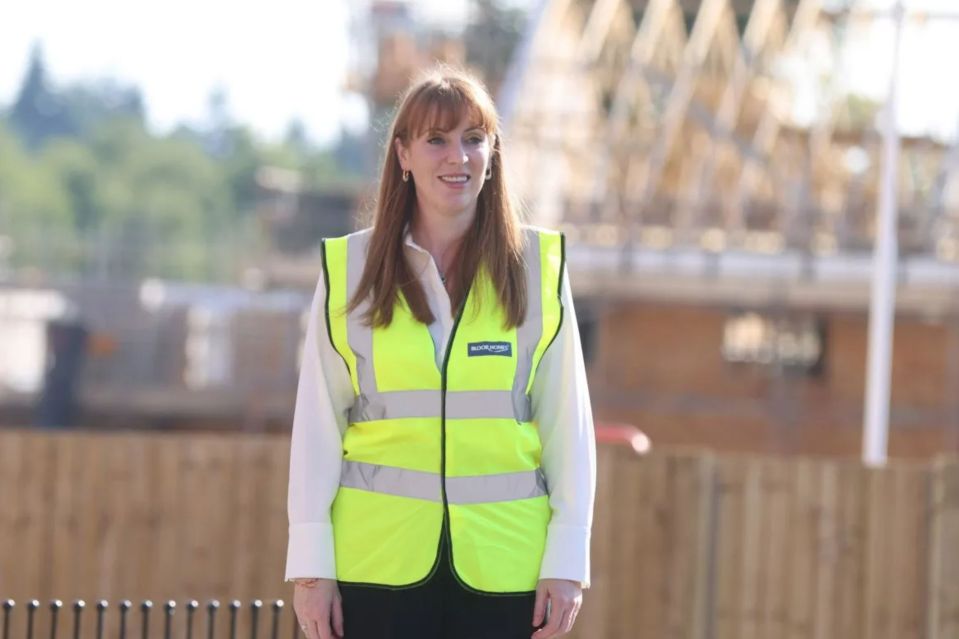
126	622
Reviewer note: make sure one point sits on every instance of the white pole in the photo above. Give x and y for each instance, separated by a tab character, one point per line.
885	255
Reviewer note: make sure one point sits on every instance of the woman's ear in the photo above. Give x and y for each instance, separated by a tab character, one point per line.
402	153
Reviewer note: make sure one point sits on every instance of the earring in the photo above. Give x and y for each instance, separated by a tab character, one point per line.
406	176
489	172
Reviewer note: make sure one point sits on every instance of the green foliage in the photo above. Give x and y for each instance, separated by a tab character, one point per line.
86	187
30	193
75	169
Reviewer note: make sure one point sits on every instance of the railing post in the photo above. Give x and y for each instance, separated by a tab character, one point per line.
7	607
168	609
145	608
102	606
255	606
125	606
191	607
234	607
31	610
277	608
55	606
78	607
211	608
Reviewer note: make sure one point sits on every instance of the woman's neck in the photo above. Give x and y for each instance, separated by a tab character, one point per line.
440	235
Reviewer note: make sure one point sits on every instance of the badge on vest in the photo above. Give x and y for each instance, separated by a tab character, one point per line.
476	349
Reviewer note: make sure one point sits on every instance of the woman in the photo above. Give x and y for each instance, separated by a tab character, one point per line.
442	463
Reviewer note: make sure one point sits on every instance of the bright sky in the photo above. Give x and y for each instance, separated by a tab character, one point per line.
288	58
277	60
928	96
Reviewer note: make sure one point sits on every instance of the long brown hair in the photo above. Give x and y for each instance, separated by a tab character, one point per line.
494	241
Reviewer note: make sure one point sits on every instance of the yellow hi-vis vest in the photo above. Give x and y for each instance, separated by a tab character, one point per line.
451	451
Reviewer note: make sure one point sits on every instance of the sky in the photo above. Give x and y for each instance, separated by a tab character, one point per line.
276	60
288	58
928	97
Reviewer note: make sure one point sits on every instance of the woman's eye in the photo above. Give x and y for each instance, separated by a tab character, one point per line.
434	140
474	140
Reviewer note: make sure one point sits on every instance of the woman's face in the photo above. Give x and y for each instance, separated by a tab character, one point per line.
448	168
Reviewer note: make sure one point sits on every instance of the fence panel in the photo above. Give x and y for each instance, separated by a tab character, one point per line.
685	545
90	516
943	618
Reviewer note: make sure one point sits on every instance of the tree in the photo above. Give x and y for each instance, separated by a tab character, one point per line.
35	209
41	112
84	184
89	105
38	112
76	169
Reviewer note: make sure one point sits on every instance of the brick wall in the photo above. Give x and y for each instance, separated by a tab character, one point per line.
660	367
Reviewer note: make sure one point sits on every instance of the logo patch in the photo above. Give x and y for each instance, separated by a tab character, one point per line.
476	349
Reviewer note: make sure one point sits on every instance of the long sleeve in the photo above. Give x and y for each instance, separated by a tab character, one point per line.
561	408
323	397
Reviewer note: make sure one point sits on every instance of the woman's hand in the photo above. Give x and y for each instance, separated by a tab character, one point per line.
564	597
320	609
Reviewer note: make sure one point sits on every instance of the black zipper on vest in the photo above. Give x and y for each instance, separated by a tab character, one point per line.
445	542
445	532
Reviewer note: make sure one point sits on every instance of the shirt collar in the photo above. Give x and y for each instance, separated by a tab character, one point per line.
408	239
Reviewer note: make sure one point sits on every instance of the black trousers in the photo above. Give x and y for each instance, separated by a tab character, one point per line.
440	608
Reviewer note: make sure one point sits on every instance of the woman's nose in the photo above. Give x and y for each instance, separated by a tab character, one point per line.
456	154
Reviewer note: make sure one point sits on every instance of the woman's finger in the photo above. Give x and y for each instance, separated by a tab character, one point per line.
551	629
539	608
309	629
562	627
576	609
338	616
304	627
323	628
569	616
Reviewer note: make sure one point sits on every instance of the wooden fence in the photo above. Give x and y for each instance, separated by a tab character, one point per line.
685	545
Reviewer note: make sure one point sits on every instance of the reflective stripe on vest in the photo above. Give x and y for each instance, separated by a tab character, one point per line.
459	405
459	490
457	445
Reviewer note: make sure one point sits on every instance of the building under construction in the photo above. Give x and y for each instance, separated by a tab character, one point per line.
721	241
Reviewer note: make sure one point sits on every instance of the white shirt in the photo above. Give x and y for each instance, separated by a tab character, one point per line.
561	410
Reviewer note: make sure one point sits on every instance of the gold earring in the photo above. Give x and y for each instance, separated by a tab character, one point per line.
406	176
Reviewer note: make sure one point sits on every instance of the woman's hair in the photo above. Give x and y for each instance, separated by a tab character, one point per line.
439	100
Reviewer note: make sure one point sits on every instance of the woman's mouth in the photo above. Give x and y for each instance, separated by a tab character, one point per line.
455	180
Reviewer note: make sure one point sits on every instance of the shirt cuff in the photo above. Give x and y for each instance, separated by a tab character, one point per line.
567	554
310	552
